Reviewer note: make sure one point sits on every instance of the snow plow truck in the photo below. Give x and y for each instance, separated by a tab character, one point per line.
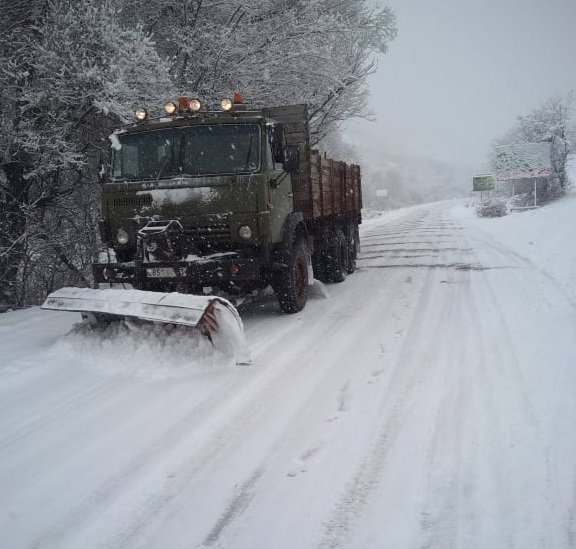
205	203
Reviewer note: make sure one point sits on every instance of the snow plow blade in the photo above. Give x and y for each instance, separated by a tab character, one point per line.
216	318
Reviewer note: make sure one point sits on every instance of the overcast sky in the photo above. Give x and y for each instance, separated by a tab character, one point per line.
461	71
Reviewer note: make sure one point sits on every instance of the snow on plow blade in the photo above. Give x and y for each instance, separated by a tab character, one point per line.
216	318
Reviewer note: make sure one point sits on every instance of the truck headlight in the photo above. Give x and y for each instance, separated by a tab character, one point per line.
122	236
245	232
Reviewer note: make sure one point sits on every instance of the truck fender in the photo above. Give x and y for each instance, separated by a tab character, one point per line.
294	227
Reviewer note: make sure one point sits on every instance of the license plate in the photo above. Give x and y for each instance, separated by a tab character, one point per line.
161	272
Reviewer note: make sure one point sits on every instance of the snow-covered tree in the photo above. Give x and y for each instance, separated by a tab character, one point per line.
548	123
334	146
274	51
68	75
71	70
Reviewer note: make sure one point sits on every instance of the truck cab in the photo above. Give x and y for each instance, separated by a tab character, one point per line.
226	200
196	199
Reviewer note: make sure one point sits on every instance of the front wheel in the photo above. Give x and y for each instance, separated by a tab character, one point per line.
291	285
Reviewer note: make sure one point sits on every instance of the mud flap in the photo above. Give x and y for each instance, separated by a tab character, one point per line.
216	318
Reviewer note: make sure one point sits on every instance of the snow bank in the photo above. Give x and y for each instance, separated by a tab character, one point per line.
229	337
544	236
145	350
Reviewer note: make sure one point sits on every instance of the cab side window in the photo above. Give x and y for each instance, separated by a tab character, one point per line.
276	137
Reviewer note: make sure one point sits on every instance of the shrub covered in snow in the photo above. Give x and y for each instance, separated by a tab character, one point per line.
492	208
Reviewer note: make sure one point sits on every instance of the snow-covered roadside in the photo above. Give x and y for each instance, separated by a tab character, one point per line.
428	403
546	237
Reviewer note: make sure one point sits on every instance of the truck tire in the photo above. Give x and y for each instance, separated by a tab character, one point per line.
353	242
320	264
337	263
291	285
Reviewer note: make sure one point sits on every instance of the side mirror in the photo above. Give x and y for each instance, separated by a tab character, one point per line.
292	159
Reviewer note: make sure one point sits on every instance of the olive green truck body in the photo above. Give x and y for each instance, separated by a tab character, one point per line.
230	202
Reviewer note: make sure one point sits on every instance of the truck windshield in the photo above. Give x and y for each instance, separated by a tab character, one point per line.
197	150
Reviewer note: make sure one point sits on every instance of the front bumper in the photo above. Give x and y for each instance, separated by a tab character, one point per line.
223	272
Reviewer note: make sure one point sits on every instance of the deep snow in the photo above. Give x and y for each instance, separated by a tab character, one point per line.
429	401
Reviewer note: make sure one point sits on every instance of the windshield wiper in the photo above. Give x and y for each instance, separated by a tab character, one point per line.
162	168
249	152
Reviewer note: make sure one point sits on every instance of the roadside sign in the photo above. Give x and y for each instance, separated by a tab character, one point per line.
485	182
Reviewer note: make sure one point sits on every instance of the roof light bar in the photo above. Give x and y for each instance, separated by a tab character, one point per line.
171	107
141	114
226	104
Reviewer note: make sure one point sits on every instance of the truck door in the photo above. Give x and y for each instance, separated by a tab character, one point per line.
281	195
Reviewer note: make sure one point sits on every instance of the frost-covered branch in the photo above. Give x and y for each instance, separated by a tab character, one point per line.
543	129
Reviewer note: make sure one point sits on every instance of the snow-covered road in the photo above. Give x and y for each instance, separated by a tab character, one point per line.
430	402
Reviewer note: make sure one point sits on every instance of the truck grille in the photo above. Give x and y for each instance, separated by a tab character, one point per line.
210	231
144	200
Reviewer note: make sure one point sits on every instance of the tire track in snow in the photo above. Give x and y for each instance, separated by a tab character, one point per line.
335	330
48	416
488	424
450	471
503	369
335	334
571	522
343	395
411	369
246	409
138	468
239	503
496	388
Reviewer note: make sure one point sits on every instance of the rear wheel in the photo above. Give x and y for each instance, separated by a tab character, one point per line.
291	285
353	243
338	259
320	264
